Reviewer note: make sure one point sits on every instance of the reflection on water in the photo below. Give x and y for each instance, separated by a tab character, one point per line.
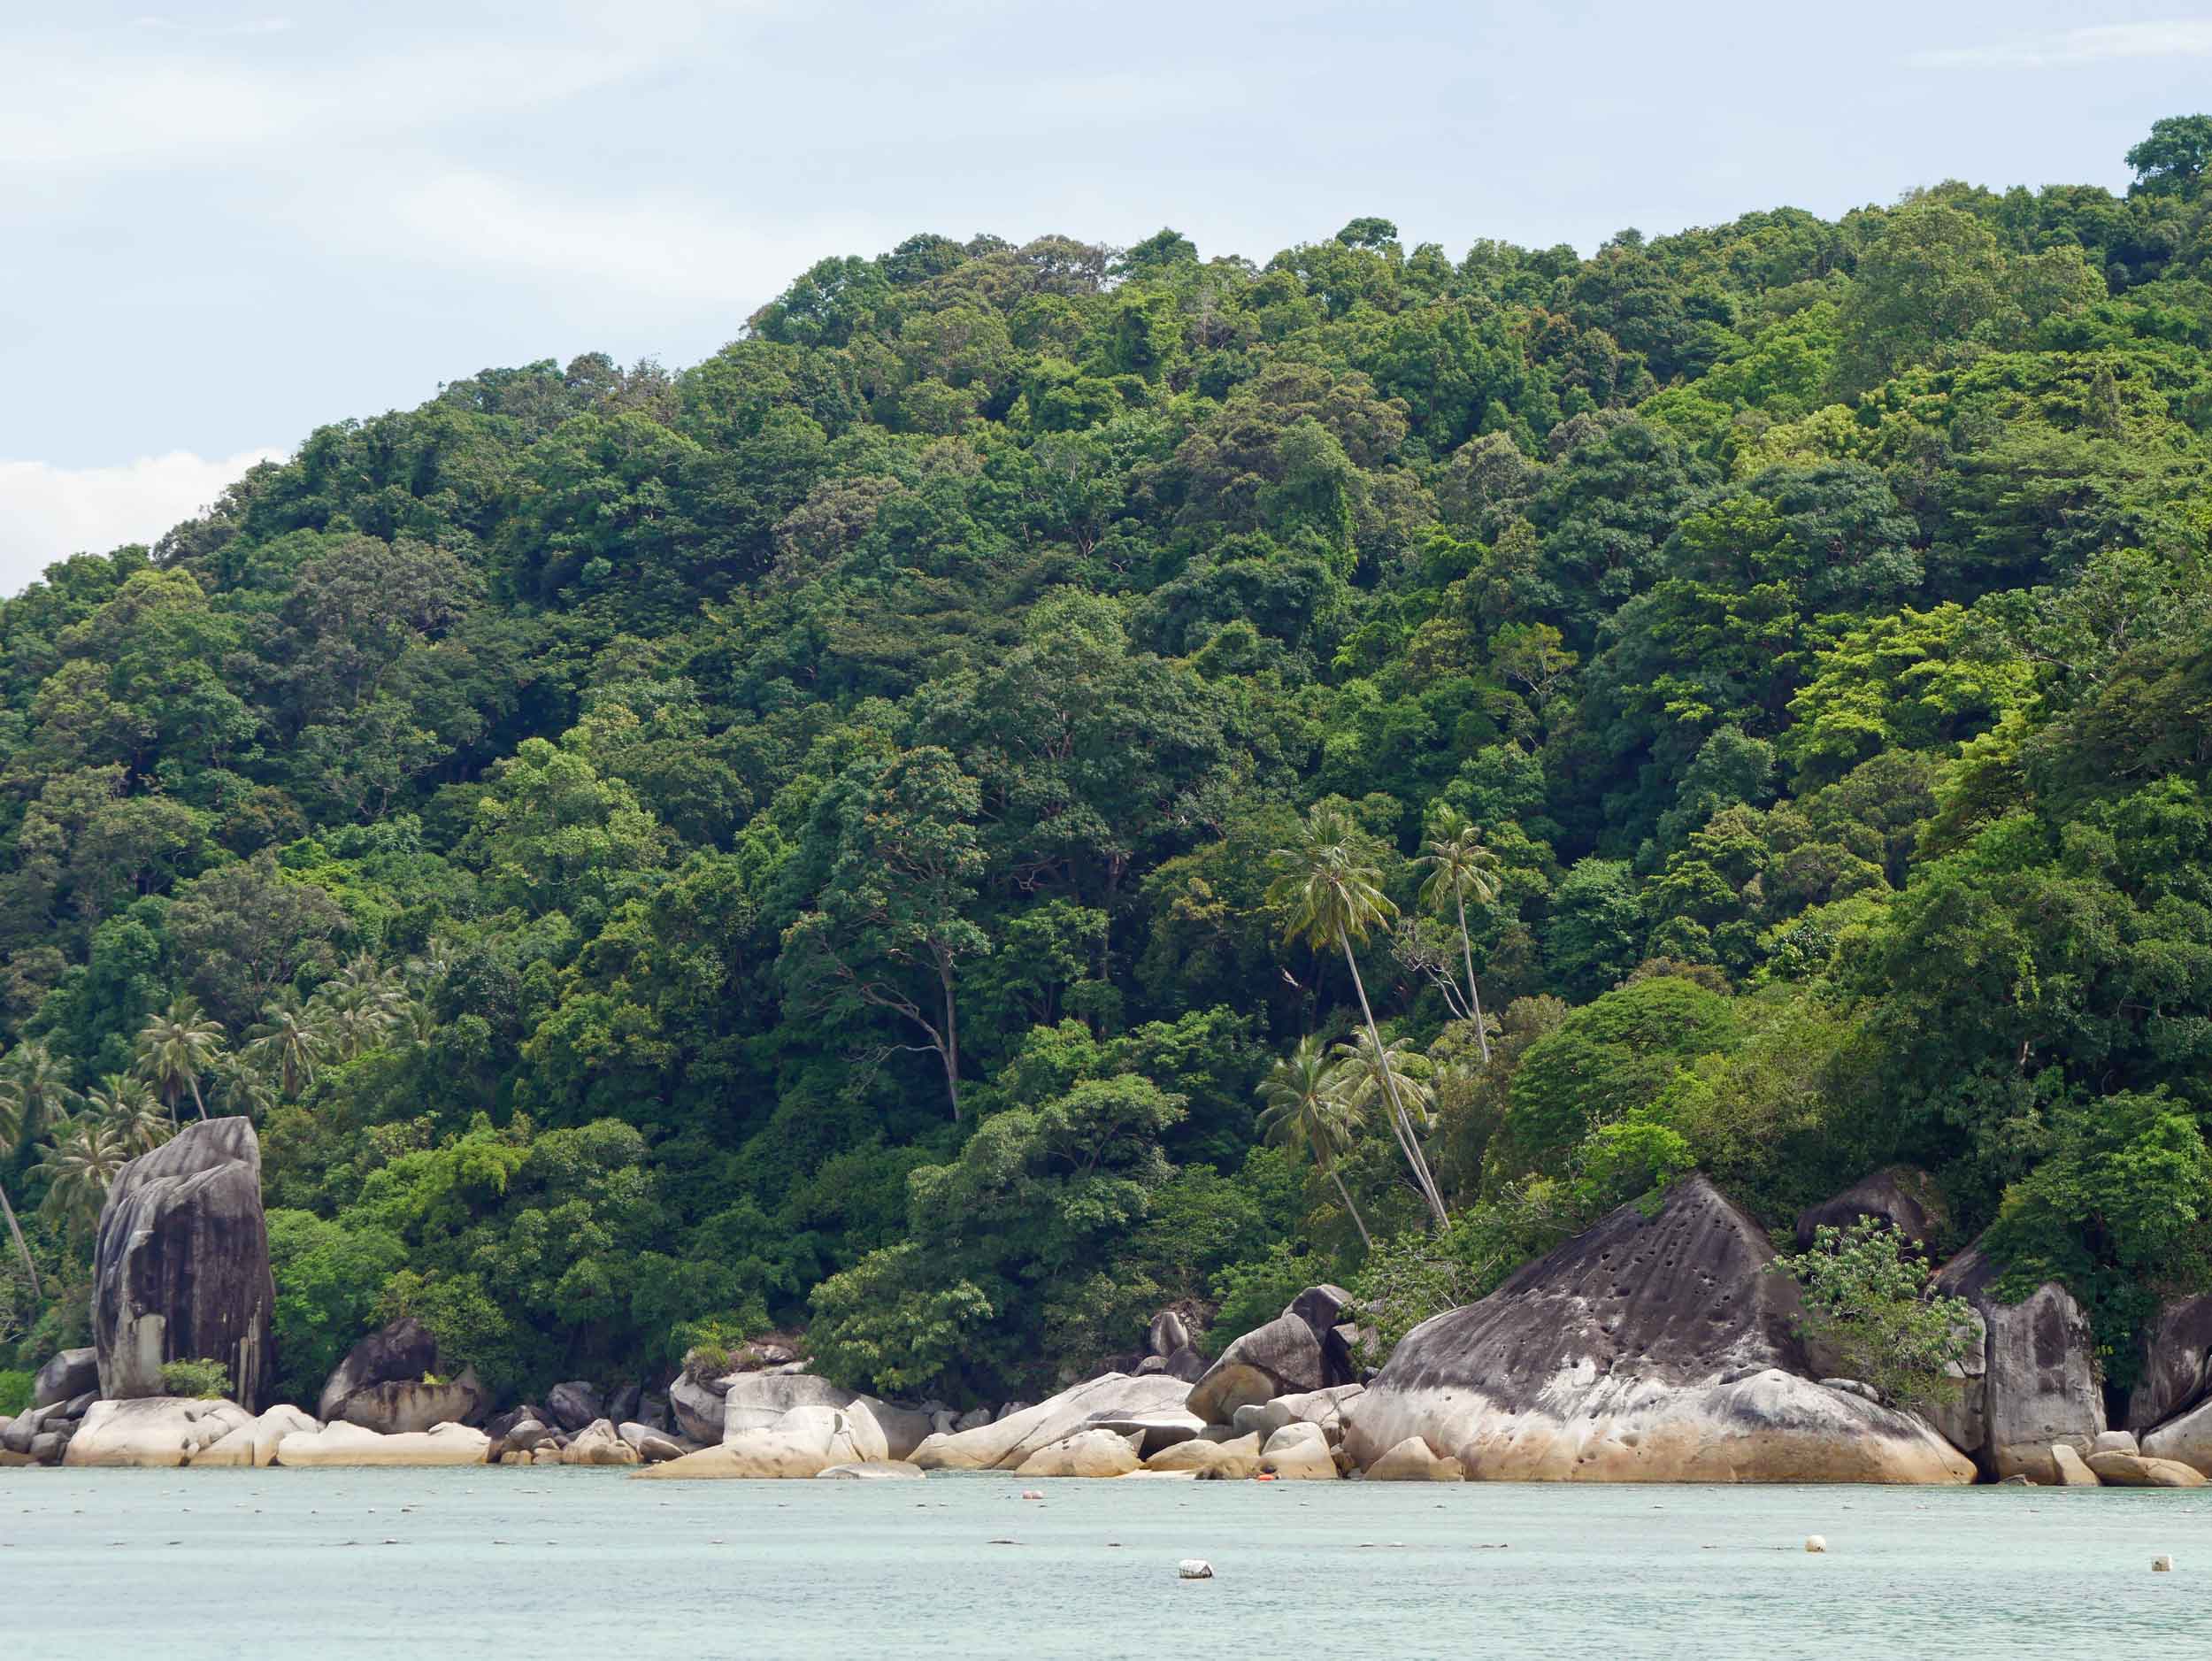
552	1562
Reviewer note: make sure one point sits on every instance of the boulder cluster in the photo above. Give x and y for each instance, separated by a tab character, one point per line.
1659	1346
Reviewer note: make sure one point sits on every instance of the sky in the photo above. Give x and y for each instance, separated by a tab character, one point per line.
228	224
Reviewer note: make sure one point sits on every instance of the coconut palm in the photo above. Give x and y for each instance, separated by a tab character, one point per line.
1335	896
1308	1110
33	1090
13	1116
237	1086
79	1165
1365	1069
290	1043
1459	865
128	1107
175	1047
363	1001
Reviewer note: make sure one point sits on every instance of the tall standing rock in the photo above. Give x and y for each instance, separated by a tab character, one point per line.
180	1270
2176	1364
2038	1383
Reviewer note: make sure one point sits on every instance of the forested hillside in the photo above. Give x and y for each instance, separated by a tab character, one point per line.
895	830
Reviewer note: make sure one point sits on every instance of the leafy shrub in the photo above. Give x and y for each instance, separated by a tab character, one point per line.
198	1380
1866	1298
1253	1293
15	1392
702	1362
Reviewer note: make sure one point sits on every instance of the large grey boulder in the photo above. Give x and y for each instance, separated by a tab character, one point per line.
2038	1381
575	1406
401	1352
68	1374
1652	1348
383	1385
1169	1333
2175	1362
2187	1439
1901	1196
698	1404
180	1266
804	1442
1297	1351
754	1401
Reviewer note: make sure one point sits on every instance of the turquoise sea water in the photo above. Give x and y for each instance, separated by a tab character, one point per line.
550	1564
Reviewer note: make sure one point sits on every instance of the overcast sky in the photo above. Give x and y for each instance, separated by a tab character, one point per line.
226	224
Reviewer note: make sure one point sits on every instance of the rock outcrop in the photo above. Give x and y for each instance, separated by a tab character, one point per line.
1299	1350
697	1404
1413	1460
2187	1439
343	1444
804	1442
384	1384
153	1432
1298	1452
1003	1444
255	1442
1900	1196
2037	1379
600	1443
1652	1348
1086	1453
2134	1470
180	1268
2176	1364
575	1404
67	1375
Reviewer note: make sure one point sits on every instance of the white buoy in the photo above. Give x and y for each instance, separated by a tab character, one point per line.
2161	1565
1032	1493
1194	1569
1814	1542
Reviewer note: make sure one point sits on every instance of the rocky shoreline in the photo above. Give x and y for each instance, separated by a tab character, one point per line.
1656	1347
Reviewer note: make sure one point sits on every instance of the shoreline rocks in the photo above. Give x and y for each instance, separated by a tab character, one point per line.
154	1433
343	1444
2032	1380
1007	1441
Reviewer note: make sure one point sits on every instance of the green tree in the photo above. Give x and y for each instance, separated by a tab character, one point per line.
1867	1298
175	1047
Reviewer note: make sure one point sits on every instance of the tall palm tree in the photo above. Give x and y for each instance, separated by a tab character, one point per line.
239	1087
33	1090
1458	866
13	1116
128	1107
1364	1069
79	1165
1335	896
291	1042
175	1047
1308	1109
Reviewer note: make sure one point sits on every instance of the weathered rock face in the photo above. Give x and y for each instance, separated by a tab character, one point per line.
1169	1333
401	1352
396	1408
2069	1469
1298	1352
1901	1196
2039	1383
652	1445
255	1442
1086	1453
2133	1469
754	1401
1413	1460
1005	1442
804	1442
158	1432
181	1264
1650	1349
68	1374
1298	1453
575	1404
698	1405
599	1444
2177	1372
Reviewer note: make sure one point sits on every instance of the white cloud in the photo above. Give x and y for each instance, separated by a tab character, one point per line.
47	512
665	247
2181	37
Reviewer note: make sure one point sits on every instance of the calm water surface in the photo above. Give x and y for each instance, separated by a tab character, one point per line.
553	1563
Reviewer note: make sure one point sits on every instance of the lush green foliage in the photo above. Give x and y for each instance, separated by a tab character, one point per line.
1044	782
199	1380
1867	1303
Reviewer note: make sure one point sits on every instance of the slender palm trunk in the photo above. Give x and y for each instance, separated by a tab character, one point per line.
193	1081
1406	1140
1467	952
15	1231
1357	1222
952	1048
